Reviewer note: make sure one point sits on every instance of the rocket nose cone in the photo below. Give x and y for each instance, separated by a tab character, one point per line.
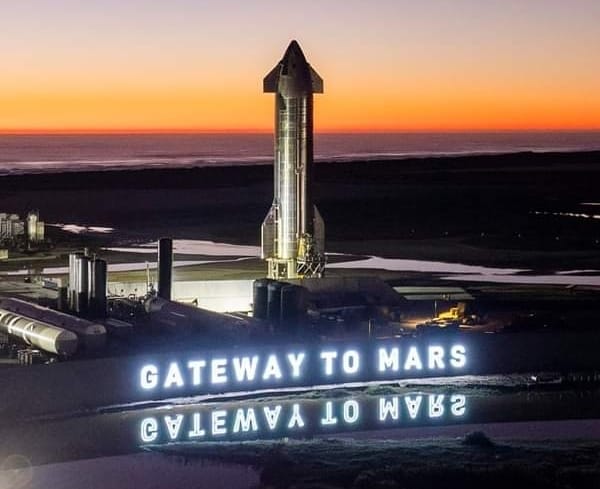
294	62
293	73
293	49
294	57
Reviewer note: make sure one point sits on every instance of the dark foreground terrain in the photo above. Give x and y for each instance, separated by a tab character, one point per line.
527	209
474	461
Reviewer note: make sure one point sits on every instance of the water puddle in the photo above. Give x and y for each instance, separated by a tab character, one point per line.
556	279
123	267
402	265
581	215
193	247
472	273
79	229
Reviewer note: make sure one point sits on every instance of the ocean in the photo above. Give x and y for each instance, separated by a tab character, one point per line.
57	153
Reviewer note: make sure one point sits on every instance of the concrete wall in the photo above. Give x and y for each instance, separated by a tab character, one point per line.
214	295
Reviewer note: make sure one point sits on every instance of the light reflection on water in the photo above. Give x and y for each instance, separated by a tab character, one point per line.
378	413
193	247
80	229
451	271
469	273
402	265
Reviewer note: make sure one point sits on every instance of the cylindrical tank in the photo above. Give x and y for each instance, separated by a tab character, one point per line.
274	301
293	306
82	292
62	301
92	335
32	221
73	280
97	287
183	319
165	267
260	294
44	336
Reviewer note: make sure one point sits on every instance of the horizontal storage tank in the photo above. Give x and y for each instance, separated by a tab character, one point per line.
179	318
92	335
44	336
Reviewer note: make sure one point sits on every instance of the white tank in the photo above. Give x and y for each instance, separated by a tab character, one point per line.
51	339
92	335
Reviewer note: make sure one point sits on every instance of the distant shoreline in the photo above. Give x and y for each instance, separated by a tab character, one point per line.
260	170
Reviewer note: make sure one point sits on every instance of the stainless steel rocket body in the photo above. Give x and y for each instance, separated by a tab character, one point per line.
293	231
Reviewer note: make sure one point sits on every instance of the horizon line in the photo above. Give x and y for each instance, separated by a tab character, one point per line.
192	131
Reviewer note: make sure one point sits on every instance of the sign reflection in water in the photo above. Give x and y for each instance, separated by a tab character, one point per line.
299	418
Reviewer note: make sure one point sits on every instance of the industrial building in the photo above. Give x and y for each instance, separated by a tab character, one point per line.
35	227
12	227
16	232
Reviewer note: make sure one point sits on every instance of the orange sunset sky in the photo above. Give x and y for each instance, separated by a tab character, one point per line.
388	65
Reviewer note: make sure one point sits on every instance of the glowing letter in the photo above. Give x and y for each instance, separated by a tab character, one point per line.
272	369
173	425
149	430
329	417
272	416
246	421
436	406
296	419
435	357
413	360
457	404
350	362
328	356
173	376
149	377
218	373
245	369
295	362
196	431
388	407
196	367
350	411
218	422
413	405
389	360
458	356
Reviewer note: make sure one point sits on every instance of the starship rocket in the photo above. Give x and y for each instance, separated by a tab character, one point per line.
293	233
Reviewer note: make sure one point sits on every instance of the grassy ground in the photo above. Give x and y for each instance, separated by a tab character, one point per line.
472	462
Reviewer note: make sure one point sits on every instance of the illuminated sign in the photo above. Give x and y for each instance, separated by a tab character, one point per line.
299	418
299	367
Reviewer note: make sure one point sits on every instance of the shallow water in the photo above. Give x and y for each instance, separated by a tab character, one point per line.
78	229
54	153
451	271
194	247
402	265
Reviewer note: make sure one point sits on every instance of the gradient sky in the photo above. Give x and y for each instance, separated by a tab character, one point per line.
388	65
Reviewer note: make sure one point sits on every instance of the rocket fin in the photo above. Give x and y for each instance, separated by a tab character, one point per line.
271	81
268	233
316	81
319	230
